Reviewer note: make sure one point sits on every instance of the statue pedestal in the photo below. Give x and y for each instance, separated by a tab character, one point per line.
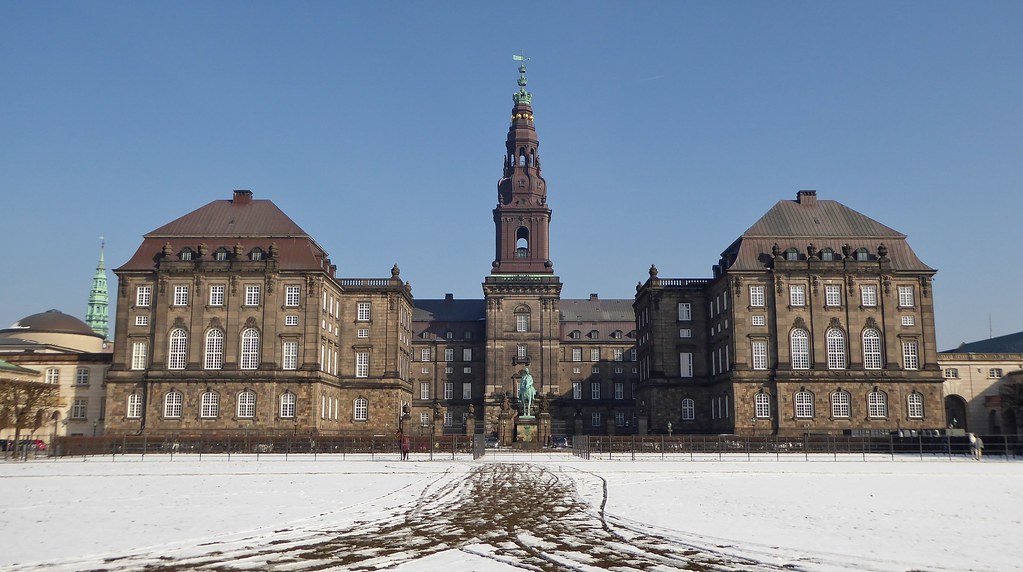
526	430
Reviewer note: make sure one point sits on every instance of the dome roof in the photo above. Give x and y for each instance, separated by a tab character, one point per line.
52	321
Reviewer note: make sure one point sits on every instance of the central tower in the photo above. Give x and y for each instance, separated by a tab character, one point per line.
523	295
522	218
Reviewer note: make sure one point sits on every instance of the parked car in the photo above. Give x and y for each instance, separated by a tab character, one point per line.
560	442
493	443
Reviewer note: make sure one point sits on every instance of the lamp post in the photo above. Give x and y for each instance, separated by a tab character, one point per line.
754	420
94	424
669	428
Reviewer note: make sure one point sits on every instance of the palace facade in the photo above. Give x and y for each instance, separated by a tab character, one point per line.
231	317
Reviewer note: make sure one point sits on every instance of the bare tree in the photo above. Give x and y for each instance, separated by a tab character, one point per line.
26	404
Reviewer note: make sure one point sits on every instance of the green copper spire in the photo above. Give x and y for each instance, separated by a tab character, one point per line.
97	316
522	96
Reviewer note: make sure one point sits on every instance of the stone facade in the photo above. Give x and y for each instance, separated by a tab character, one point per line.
974	375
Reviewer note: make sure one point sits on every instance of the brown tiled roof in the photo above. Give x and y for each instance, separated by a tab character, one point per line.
825	224
232	218
225	223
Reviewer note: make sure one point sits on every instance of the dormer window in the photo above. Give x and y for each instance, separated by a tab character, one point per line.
575	334
594	334
862	255
256	254
220	254
792	254
186	254
827	254
616	335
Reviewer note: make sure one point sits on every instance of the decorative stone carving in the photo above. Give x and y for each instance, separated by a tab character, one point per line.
781	285
395	271
737	286
872	323
653	271
887	282
835	323
250	322
239	251
925	286
850	285
811	251
815	283
203	249
800	323
167	250
882	251
274	251
846	251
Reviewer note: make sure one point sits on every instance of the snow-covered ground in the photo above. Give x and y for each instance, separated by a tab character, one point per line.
542	511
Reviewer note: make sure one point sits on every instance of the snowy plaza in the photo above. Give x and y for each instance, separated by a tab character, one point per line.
510	511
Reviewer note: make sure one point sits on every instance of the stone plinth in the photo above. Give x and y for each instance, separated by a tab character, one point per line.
526	430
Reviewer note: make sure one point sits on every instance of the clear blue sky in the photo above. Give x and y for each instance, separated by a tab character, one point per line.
666	129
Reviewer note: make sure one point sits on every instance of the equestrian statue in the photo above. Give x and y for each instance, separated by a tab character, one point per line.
526	394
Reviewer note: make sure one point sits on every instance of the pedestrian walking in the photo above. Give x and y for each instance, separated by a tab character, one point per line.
404	447
976	446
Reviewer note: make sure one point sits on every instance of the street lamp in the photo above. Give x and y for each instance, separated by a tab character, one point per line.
94	424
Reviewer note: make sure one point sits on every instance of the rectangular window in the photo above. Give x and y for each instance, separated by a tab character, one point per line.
910	359
292	295
424	390
994	373
758	320
138	355
951	373
520	351
577	390
449	354
466	354
362	312
448	369
685	311
217	295
252	295
756	296
619	391
134	406
449	419
424	354
290	357
632	354
832	295
594	391
915	406
141	320
466	391
618	354
577	370
595	420
467	369
78	408
577	354
685	333
424	419
362	364
181	295
424	370
595	369
449	390
868	296
685	360
905	296
290	320
362	333
618	370
521	322
594	354
82	376
143	296
909	320
797	295
759	354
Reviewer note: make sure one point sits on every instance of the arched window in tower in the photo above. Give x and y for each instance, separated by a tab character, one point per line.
532	157
522	157
522	242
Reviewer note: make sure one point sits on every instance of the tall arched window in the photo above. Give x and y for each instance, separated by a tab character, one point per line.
800	349
688	409
871	349
840	404
877	404
250	349
172	404
214	349
762	405
804	404
288	405
522	242
176	356
209	405
915	405
247	404
360	411
836	349
134	406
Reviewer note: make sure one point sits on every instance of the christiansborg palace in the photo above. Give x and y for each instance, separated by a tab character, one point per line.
815	319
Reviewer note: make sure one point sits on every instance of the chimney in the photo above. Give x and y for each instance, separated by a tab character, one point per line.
242	197
593	296
449	297
806	197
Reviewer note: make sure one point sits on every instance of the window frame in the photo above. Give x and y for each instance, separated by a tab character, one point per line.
217	295
797	295
143	296
180	295
877	405
246	406
250	349
836	349
360	409
253	295
209	405
134	406
173	404
177	349
799	351
803	404
363	312
213	349
685	312
841	404
872	349
915	405
688	409
757	298
907	297
758	352
361	364
292	296
762	406
287	408
289	355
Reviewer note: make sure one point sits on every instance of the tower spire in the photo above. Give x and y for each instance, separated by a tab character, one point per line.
97	315
522	217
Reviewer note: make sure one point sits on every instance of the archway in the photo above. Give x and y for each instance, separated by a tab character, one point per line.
955	413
